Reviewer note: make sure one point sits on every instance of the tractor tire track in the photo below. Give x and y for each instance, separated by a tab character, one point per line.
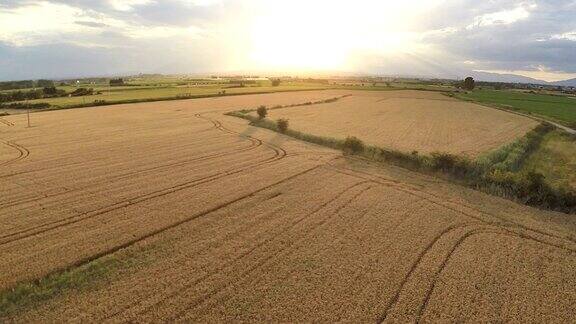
61	158
6	122
474	230
157	231
499	231
23	152
436	200
442	266
441	202
39	229
415	265
246	279
128	175
277	254
23	234
233	261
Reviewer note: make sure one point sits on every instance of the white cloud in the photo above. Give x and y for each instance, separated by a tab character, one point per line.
127	5
333	34
31	23
161	32
46	23
567	36
504	17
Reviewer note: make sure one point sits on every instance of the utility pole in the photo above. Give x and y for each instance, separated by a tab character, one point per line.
28	112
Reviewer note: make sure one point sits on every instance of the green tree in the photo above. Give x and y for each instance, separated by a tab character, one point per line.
469	83
45	83
117	82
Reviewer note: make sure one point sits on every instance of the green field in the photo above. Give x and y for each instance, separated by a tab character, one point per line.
557	108
171	87
555	158
144	93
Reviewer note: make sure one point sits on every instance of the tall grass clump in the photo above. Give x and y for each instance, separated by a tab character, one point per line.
353	145
511	157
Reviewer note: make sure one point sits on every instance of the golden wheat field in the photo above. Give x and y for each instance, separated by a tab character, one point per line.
409	121
213	220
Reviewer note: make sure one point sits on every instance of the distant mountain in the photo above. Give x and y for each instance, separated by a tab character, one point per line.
506	78
566	83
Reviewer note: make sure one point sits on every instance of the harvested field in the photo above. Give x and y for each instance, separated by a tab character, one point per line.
209	219
410	121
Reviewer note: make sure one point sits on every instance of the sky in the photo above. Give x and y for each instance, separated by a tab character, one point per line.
437	38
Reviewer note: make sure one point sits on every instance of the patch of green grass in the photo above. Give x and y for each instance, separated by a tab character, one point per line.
511	157
561	109
555	158
30	294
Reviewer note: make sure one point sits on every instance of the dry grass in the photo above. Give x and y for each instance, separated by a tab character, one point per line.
410	120
259	227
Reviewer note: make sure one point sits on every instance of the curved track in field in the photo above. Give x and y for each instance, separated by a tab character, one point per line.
6	122
23	152
235	260
127	175
279	154
332	240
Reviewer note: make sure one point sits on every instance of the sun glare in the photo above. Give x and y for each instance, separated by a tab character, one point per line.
323	35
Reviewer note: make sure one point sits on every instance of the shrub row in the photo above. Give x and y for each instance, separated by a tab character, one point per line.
496	173
510	157
262	109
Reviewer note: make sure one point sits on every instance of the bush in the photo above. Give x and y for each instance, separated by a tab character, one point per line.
282	125
443	161
82	92
353	145
262	112
100	102
116	82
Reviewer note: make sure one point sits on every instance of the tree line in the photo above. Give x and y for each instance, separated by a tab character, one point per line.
25	84
46	92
